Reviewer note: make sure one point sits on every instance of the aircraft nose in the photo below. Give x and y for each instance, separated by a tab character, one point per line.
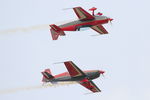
101	72
111	19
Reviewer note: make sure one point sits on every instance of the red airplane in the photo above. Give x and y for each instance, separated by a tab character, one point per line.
74	74
85	20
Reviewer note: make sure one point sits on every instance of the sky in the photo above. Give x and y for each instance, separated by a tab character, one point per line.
123	53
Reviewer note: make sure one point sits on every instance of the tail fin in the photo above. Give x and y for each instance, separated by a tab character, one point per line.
47	76
56	31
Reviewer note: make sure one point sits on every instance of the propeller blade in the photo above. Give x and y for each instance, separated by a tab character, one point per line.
109	21
103	75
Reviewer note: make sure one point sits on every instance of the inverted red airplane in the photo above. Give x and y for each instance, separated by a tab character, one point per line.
74	74
85	20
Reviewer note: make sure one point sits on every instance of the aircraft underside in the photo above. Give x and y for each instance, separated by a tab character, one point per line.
89	75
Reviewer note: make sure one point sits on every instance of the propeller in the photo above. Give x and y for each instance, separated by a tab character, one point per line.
102	72
109	20
103	75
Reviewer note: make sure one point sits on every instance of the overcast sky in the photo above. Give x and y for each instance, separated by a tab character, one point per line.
124	53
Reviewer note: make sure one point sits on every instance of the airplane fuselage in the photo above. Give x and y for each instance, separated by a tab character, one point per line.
74	74
77	24
66	77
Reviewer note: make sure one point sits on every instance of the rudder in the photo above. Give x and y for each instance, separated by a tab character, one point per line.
56	31
47	76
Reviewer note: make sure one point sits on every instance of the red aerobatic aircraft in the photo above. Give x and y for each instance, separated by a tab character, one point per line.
74	74
85	20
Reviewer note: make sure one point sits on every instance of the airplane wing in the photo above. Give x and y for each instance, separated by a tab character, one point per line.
89	85
73	70
82	14
100	29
